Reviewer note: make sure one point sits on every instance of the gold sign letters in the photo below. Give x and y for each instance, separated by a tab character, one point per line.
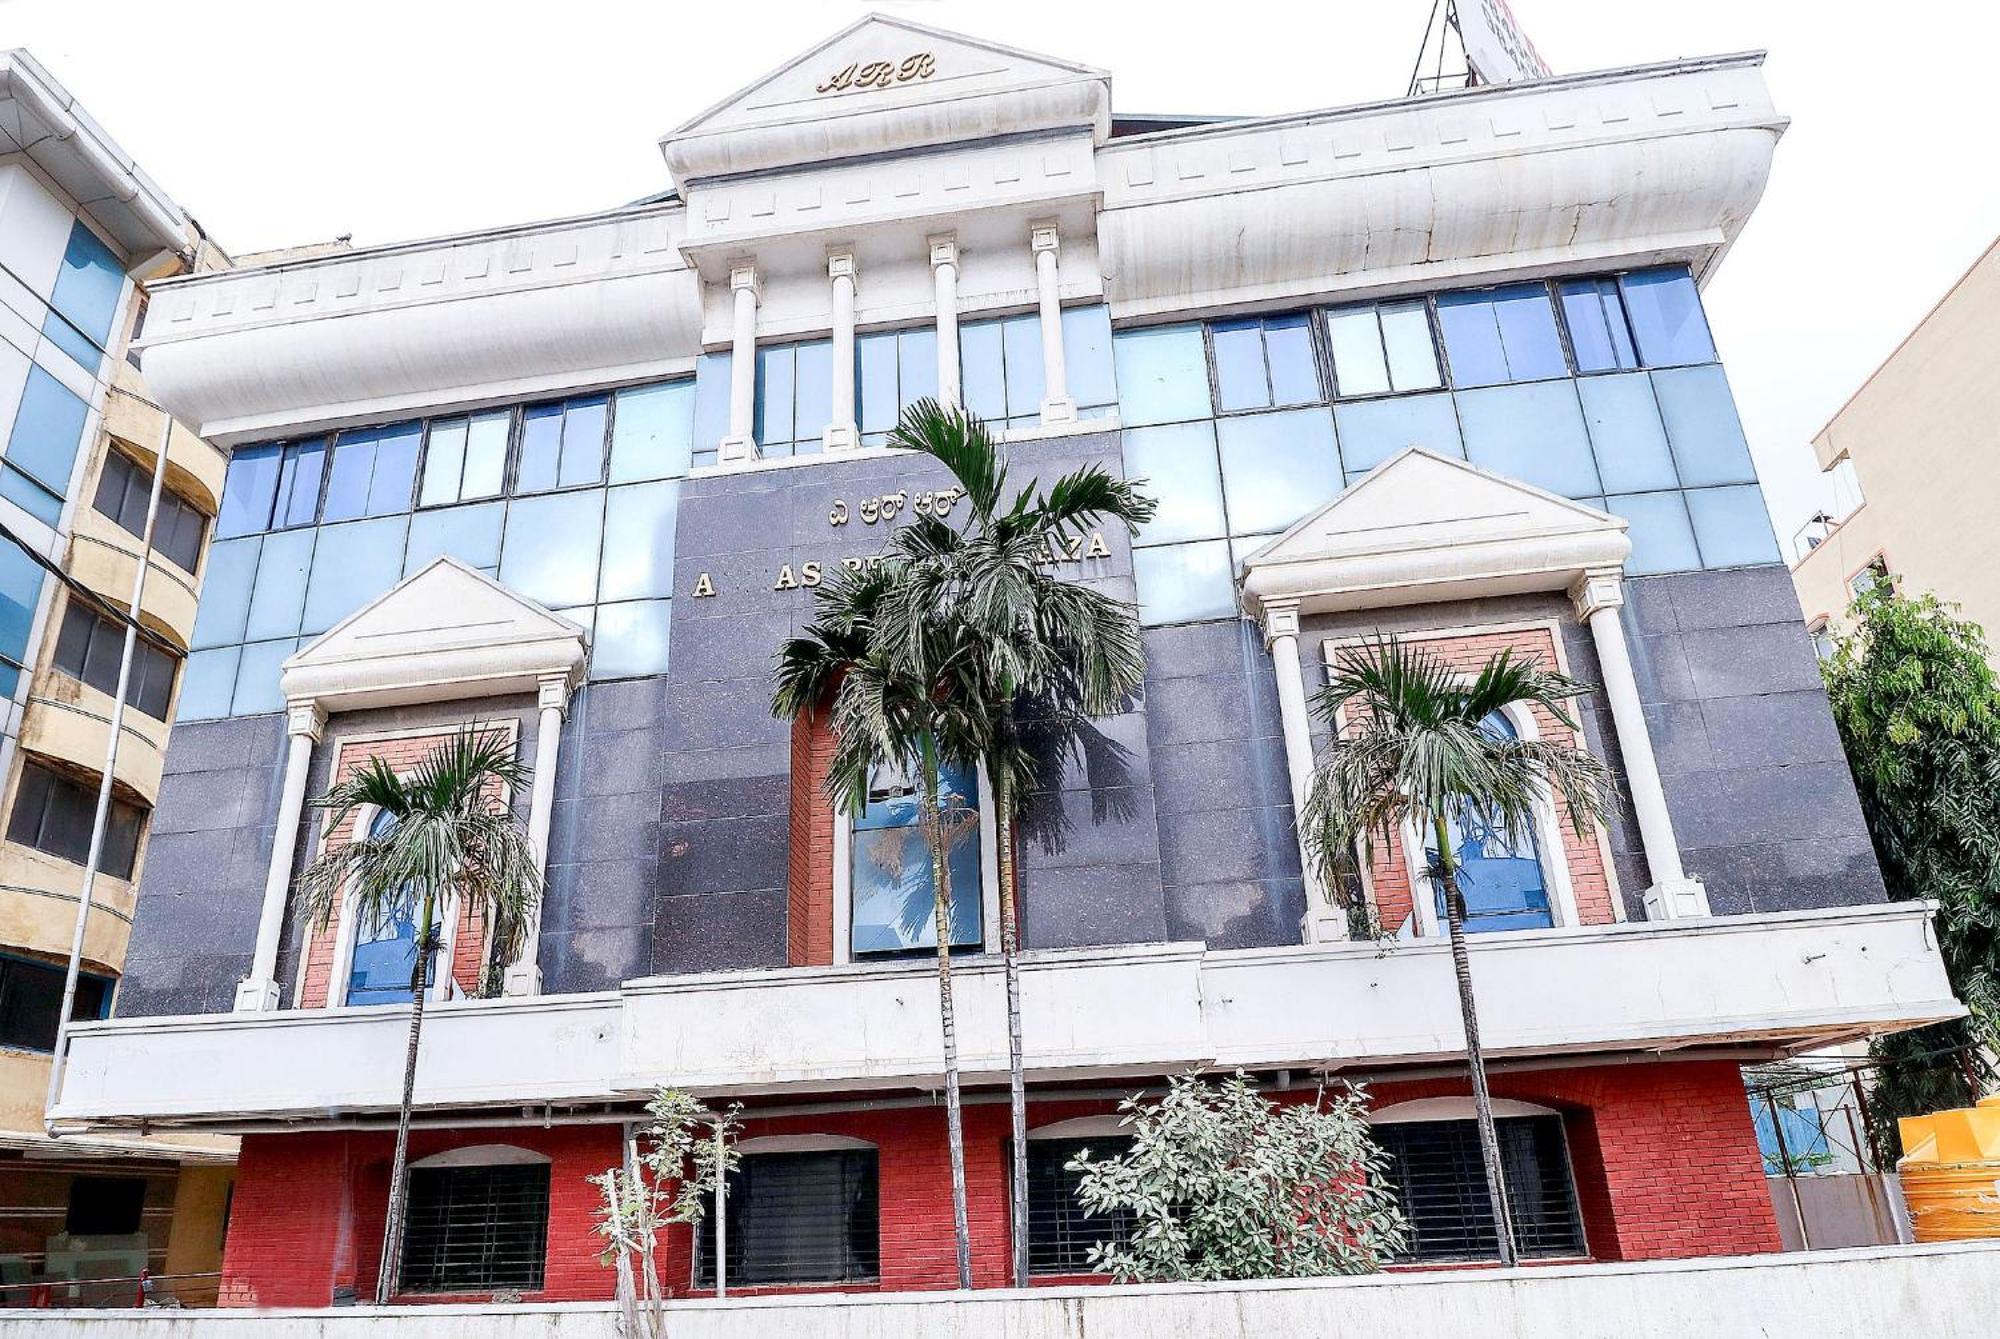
881	73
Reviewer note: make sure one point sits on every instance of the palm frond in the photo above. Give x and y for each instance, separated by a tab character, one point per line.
961	443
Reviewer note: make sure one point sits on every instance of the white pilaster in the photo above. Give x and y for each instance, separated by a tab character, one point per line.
1323	920
1598	595
524	974
305	723
944	269
1057	407
842	434
741	443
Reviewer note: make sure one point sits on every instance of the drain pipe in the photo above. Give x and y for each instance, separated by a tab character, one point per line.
99	821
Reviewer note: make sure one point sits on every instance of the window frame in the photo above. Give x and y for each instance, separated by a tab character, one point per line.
145	655
1097	1133
843	888
106	984
507	454
484	1158
783	1146
139	815
1459	1111
347	929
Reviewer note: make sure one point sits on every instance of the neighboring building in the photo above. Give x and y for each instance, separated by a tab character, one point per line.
1911	460
1434	366
83	232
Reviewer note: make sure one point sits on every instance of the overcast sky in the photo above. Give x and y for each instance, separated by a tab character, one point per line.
277	124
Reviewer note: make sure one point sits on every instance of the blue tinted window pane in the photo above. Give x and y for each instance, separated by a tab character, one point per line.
877	402
711	406
352	565
347	478
584	423
1276	467
814	379
88	353
982	371
1087	356
1240	382
1667	318
1662	539
469	534
550	551
630	640
278	598
247	491
1354	334
1731	526
30	496
48	428
1532	433
1289	354
1412	353
298	483
1471	339
86	291
652	432
1183	583
890	873
1162	374
777	394
1176	464
639	542
20	588
225	591
1371	431
917	365
258	671
1700	415
1597	331
1528	332
384	956
1021	346
486	454
1500	872
395	474
541	448
444	461
1625	430
207	680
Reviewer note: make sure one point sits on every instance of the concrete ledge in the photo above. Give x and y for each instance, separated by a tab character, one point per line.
1919	1292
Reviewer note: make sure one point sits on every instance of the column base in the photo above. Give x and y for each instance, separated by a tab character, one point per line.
841	437
737	451
1325	925
256	997
522	978
1059	411
1677	900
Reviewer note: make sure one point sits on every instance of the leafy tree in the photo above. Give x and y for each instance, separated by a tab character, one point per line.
1417	746
683	1155
449	842
1223	1183
1918	711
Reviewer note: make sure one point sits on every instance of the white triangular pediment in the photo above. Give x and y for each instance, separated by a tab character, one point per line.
883	84
447	631
1421	526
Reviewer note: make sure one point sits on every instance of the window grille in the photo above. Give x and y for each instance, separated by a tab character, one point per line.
476	1229
1060	1232
1436	1170
797	1218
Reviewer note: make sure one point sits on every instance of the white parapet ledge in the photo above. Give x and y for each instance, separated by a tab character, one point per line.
1776	983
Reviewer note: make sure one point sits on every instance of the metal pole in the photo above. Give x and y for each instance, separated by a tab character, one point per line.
721	1216
103	814
1791	1178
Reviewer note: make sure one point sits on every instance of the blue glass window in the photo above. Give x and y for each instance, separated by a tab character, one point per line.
794	397
384	958
652	432
639	542
890	869
247	491
466	458
562	444
258	671
1499	874
1700	417
207	681
1532	433
1276	467
1371	431
896	369
1087	359
41	449
469	534
352	564
630	639
1000	370
85	299
1501	334
20	589
550	551
1178	463
225	591
1731	526
1598	333
1625	431
278	600
1184	583
711	406
1262	362
1162	374
373	472
1666	317
1381	348
297	498
1662	539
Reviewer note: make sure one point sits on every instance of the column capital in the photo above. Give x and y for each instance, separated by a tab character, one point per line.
1598	589
306	718
1043	236
840	263
944	249
1280	619
743	275
552	692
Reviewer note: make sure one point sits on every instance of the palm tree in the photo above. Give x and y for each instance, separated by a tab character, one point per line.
1418	746
443	840
990	585
891	714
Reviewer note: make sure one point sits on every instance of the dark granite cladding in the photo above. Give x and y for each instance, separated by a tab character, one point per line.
203	882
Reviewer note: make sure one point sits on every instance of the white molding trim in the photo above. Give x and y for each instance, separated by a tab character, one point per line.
1453	1108
801	1143
485	1155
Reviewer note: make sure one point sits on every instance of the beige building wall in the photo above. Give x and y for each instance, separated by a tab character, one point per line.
1923	437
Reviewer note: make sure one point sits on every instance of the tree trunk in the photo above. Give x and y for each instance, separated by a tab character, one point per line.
392	1230
934	836
1475	1058
1010	954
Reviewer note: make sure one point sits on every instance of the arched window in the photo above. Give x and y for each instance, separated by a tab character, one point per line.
385	942
1502	877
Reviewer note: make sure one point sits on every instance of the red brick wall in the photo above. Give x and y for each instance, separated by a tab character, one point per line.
809	911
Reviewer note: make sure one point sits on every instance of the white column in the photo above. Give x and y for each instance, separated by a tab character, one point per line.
1598	596
524	974
741	443
1057	407
944	269
304	724
842	434
1323	920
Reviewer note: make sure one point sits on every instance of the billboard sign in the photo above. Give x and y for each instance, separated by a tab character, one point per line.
1496	49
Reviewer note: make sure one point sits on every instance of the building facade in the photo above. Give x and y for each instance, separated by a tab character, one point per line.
1435	367
83	233
1905	457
